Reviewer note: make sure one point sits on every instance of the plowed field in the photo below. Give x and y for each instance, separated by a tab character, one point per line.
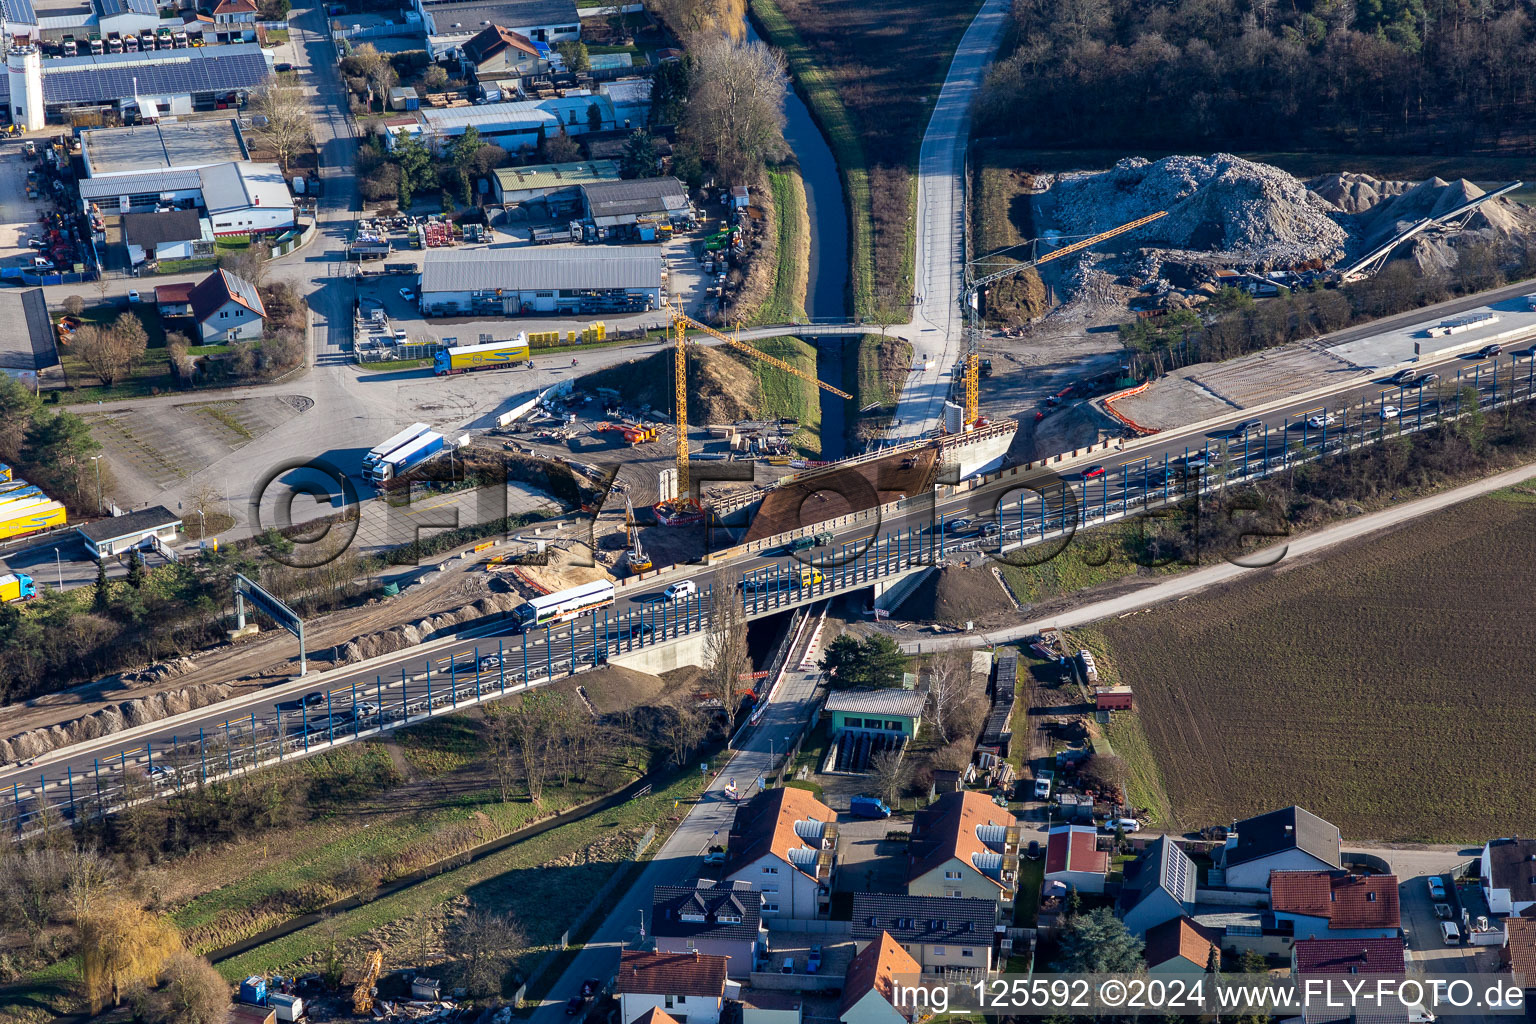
1389	689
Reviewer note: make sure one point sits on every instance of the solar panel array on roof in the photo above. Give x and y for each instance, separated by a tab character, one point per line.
108	77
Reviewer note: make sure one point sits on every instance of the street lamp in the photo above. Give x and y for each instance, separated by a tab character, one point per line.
97	459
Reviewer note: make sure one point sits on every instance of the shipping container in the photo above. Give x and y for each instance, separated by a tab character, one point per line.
481	357
30	517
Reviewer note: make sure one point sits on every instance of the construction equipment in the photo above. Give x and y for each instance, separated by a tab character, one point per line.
363	990
683	509
974	287
635	558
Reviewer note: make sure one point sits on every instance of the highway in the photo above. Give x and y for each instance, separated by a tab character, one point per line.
1046	506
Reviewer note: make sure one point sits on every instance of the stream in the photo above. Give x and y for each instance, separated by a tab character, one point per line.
826	289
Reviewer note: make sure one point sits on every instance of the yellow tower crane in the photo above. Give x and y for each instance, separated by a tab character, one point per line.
973	290
682	506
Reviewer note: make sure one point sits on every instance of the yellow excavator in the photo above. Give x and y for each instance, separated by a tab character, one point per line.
367	979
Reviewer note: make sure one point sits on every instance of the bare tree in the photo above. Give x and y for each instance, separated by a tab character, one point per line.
890	773
735	113
287	129
726	655
952	691
483	943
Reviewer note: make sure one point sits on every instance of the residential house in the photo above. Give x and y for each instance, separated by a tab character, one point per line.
690	988
870	983
1074	858
226	308
501	51
783	843
1180	946
1335	904
944	935
1290	839
174	299
234	21
964	846
171	235
1347	956
1520	950
716	918
1507	870
1159	886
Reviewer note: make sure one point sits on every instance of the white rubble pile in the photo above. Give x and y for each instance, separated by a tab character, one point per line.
1217	204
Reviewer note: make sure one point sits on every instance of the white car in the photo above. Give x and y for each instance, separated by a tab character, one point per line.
1389	412
1321	420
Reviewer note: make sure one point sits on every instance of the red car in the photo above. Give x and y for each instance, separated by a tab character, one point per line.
1093	471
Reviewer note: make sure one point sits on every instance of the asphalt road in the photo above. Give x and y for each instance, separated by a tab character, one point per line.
936	327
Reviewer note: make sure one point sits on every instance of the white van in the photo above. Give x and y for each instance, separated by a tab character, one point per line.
680	590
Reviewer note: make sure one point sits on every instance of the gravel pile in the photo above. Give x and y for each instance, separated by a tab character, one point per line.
1217	204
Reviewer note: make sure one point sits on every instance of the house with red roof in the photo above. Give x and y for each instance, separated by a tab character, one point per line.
1335	904
683	986
964	846
1074	857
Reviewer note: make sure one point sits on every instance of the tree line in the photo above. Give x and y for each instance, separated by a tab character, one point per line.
1368	75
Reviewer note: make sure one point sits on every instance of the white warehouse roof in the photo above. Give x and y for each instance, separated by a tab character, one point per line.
541	268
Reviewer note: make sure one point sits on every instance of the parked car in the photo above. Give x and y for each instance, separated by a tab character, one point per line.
1093	471
813	961
1436	888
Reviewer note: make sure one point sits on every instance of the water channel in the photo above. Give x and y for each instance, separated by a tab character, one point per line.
826	290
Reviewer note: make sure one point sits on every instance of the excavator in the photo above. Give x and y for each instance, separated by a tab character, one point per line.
683	510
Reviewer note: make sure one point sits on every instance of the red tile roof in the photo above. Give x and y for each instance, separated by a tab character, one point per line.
1182	937
1074	848
946	829
671	974
877	967
766	824
1520	948
1349	956
1347	901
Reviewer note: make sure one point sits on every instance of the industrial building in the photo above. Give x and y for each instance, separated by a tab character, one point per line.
239	198
515	124
173	146
526	280
639	208
514	185
149	85
451	25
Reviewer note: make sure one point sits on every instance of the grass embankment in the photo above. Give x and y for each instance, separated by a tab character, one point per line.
870	88
792	264
1343	686
784	394
539	881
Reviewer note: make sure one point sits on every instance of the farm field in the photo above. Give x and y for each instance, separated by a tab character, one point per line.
1386	689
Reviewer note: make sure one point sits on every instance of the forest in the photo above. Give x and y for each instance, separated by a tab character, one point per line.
1342	75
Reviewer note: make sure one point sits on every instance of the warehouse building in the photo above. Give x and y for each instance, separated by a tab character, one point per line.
523	281
150	85
173	146
514	185
239	198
